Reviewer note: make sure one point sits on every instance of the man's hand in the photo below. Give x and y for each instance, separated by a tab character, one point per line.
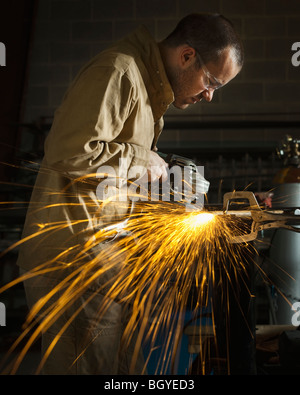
157	168
265	198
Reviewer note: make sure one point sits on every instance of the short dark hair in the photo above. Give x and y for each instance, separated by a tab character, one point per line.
209	35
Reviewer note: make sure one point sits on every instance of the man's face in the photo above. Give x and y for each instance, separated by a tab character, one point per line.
191	84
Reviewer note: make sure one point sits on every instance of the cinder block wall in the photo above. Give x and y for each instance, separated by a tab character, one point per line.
69	32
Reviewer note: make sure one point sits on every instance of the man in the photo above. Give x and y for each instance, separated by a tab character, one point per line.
111	117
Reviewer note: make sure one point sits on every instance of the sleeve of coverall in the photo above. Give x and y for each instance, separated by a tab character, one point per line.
88	129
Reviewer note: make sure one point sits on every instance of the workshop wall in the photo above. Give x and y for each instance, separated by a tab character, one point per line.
69	32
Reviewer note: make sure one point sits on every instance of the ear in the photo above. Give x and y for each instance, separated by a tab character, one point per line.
187	56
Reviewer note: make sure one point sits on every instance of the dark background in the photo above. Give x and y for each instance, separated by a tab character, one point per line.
235	137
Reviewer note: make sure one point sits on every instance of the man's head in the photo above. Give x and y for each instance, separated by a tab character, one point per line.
202	54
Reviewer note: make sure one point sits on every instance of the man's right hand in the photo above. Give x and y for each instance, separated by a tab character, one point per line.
157	168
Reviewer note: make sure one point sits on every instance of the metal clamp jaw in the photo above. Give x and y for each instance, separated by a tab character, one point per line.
261	219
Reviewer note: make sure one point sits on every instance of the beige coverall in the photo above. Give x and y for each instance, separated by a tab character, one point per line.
113	110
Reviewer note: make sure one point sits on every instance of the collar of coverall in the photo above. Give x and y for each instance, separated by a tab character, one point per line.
158	86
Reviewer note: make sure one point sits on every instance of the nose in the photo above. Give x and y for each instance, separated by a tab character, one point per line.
208	94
